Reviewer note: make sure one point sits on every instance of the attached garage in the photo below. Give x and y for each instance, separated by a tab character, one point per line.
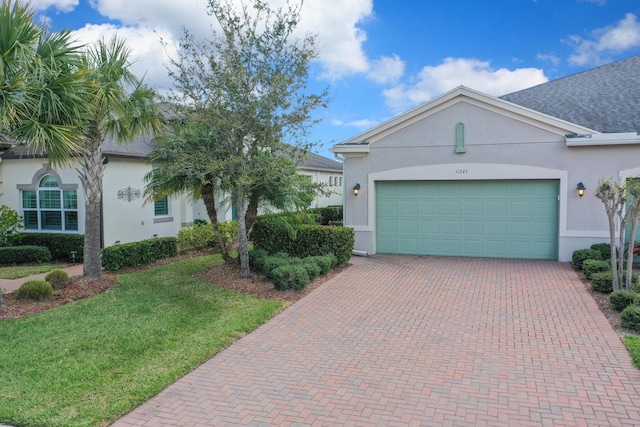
491	218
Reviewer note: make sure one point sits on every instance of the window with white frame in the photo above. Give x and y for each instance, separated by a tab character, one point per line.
49	206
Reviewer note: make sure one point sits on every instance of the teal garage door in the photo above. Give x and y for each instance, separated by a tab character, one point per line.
500	219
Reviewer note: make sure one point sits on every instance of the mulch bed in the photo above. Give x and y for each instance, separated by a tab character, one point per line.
226	276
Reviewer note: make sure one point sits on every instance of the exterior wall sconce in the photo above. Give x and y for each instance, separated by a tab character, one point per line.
356	189
581	189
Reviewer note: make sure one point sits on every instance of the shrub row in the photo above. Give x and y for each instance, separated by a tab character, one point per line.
274	234
202	236
138	253
290	273
328	214
596	265
603	282
61	246
24	254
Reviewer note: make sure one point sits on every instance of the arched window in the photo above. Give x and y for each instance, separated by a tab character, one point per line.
50	207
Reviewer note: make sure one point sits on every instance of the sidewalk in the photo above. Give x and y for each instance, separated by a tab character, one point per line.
8	286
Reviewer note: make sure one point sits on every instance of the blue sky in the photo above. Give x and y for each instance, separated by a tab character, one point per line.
383	57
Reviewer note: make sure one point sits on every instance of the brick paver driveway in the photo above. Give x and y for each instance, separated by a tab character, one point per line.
403	340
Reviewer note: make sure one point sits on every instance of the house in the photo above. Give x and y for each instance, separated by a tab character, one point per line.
319	169
468	174
52	199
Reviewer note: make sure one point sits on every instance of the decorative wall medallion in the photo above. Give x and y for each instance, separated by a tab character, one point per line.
129	194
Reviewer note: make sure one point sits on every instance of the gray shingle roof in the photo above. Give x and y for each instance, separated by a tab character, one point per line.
316	161
605	99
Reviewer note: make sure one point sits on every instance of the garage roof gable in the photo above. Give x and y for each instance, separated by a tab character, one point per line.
360	143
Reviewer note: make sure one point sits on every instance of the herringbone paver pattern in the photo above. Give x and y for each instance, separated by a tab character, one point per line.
404	340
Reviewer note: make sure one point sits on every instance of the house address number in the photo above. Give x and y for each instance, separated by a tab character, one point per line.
461	171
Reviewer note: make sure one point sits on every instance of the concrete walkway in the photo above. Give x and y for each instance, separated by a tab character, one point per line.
7	286
424	341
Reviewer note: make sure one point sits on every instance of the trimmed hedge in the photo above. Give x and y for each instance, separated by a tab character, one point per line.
603	282
328	214
581	255
201	236
620	300
138	253
290	276
604	249
274	234
37	289
630	318
60	245
24	254
592	266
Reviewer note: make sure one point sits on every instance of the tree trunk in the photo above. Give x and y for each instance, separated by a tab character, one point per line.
243	249
208	197
613	253
632	241
252	214
91	178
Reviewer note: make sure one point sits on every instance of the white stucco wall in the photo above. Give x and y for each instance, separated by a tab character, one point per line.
329	179
498	146
124	221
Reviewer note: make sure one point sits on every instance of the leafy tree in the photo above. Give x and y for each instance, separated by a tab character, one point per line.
120	107
42	85
188	162
10	224
622	202
247	86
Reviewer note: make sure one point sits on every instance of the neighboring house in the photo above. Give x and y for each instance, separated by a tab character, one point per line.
319	169
468	174
52	199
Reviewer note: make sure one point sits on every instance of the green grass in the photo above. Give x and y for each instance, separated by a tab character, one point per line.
18	271
88	363
633	345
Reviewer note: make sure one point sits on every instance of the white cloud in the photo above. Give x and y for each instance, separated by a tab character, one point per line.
61	5
435	80
555	60
360	124
147	53
604	41
387	69
334	21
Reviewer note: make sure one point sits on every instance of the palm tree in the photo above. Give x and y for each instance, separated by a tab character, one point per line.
121	107
42	85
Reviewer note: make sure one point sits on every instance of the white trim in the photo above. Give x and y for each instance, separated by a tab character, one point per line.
603	139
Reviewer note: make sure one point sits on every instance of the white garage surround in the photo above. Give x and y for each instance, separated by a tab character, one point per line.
568	240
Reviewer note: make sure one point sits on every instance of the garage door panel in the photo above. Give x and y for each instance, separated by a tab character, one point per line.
472	246
409	226
496	208
473	228
451	227
451	246
508	219
450	207
495	228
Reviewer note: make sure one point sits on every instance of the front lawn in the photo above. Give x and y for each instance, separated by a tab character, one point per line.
18	271
633	345
88	363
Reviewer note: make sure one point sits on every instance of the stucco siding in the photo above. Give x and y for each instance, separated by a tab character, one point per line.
498	146
125	219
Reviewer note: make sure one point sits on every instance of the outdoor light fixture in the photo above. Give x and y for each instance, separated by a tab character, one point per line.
581	189
356	189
